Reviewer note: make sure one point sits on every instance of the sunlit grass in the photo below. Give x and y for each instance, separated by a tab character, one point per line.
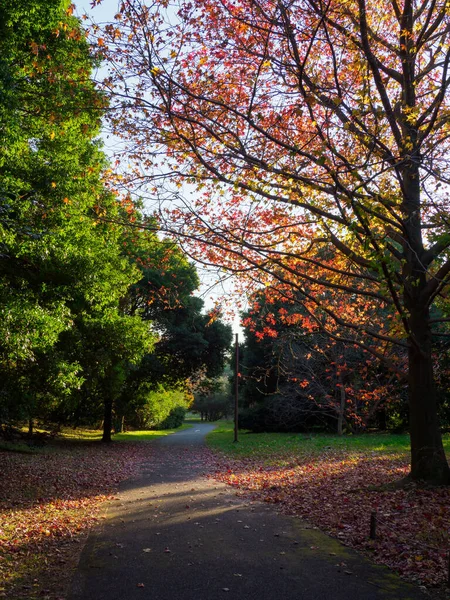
192	418
275	446
82	435
87	435
147	436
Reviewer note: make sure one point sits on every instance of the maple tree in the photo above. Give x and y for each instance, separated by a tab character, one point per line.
302	127
294	378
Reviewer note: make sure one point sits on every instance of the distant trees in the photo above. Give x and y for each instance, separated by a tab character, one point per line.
214	400
296	378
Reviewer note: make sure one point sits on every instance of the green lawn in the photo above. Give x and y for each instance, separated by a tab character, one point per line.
147	436
269	446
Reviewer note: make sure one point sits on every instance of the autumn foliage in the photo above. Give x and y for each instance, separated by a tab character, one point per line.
315	137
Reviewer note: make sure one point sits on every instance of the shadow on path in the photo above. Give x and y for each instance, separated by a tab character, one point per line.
174	534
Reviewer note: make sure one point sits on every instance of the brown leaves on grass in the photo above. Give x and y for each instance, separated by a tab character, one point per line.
48	500
338	493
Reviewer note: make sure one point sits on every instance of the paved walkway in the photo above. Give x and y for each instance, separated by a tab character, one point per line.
173	534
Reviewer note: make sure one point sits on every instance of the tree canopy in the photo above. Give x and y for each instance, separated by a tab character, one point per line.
84	291
316	136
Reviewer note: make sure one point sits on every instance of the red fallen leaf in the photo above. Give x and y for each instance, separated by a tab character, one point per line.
66	506
335	492
187	506
140	585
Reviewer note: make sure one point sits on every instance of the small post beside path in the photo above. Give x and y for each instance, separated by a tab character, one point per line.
373	525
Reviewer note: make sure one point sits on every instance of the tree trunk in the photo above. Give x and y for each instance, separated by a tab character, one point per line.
428	460
30	427
107	421
340	422
119	424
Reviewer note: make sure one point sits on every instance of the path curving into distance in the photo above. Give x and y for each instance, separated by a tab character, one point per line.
175	534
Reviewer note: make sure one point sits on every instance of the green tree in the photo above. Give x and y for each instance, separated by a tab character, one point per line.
191	345
60	266
108	345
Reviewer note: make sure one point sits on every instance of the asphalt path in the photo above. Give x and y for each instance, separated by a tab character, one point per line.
174	534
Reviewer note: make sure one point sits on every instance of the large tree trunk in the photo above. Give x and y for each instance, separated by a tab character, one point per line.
428	460
107	421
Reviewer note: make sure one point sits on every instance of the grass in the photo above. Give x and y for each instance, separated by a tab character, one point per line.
147	436
83	435
192	418
273	446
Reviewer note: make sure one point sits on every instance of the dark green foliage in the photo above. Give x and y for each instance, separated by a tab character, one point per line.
174	419
191	342
284	414
214	400
213	407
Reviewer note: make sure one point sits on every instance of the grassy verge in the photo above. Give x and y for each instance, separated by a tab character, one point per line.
147	436
277	446
82	435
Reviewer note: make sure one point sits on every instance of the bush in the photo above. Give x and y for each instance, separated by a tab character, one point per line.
154	409
174	419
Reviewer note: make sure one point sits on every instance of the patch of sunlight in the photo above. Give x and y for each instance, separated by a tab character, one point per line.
147	435
88	435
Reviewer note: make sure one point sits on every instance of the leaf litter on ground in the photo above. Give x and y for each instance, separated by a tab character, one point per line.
48	502
337	491
50	499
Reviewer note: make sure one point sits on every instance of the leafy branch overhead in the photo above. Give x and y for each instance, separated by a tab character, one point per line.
315	137
83	290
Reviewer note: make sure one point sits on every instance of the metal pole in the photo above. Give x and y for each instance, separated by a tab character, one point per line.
236	389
